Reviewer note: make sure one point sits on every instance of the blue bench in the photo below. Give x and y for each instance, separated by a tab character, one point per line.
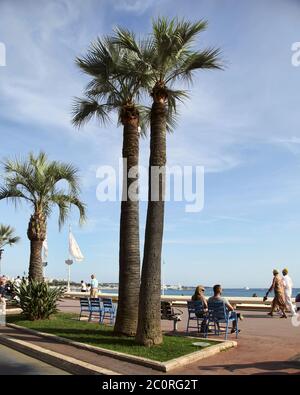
100	307
197	314
219	314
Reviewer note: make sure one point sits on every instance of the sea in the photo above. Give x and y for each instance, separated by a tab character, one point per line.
229	292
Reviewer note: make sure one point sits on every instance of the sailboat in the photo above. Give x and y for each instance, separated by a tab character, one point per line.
75	253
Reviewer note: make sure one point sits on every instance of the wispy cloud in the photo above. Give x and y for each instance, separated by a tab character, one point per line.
133	6
209	241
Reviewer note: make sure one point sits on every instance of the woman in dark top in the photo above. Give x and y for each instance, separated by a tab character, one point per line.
199	295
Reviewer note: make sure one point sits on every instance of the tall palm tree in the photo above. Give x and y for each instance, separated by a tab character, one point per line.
37	180
168	57
7	237
109	91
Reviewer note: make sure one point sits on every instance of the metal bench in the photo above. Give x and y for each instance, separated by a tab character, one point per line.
95	309
109	310
84	307
168	313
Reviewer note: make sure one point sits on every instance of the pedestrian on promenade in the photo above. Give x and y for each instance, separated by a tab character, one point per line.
288	289
279	299
83	286
94	287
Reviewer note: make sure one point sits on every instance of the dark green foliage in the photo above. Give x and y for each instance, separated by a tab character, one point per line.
37	300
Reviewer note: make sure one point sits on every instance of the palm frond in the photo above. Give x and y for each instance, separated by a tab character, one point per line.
174	96
7	236
85	109
144	119
127	40
64	203
188	31
13	194
207	59
58	171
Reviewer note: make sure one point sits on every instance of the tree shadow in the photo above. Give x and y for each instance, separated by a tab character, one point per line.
268	367
89	336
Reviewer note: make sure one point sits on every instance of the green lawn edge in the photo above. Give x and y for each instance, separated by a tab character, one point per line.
68	326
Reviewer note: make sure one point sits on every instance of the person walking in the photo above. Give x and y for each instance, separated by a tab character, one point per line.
279	299
288	288
94	287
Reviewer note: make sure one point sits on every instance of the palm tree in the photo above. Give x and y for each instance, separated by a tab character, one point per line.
36	180
108	91
7	237
168	57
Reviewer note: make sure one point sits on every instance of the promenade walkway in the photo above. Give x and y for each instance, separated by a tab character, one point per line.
265	346
13	362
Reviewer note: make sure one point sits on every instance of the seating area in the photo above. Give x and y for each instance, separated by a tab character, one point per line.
99	308
170	313
217	317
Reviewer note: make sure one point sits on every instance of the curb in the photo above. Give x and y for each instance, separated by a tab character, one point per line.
53	358
160	366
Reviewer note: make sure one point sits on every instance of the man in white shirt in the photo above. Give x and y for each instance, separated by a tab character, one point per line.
94	287
83	286
288	288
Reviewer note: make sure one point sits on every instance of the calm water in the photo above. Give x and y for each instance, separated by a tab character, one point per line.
260	292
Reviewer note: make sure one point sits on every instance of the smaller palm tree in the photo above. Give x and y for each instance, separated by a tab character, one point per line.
7	237
39	182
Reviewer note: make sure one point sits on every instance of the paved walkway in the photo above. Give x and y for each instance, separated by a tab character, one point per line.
13	362
265	346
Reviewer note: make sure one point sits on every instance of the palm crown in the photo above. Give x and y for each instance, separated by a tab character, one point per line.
166	57
110	89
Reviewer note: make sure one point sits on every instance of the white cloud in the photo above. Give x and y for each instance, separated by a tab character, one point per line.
209	241
133	6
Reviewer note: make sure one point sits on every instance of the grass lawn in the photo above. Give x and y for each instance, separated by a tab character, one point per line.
67	325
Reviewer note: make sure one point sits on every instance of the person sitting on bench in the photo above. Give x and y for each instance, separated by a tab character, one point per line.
199	296
217	296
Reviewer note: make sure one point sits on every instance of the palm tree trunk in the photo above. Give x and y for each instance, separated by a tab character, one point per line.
35	263
149	328
129	248
36	234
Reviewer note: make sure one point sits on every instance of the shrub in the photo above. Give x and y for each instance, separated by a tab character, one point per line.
37	300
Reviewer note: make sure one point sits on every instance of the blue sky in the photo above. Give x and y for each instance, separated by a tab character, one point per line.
241	124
